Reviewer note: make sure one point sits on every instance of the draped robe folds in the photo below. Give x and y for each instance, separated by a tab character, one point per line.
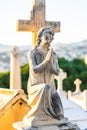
41	88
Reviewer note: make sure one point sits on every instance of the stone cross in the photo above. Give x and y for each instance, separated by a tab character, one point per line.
77	82
15	75
37	20
62	75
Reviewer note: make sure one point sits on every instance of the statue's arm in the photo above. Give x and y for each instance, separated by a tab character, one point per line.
54	65
33	63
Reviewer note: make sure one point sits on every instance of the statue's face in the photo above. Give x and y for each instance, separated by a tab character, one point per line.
46	38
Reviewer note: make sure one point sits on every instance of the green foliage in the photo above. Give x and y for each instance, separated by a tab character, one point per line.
24	76
56	84
63	63
4	79
74	69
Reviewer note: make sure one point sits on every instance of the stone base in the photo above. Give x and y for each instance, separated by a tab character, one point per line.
23	126
35	122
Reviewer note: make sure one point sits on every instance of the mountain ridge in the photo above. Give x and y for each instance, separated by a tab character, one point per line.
68	51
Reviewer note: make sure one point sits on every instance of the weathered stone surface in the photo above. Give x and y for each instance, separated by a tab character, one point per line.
15	72
37	20
77	82
46	106
62	75
68	126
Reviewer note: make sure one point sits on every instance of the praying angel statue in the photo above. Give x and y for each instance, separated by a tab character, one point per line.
45	103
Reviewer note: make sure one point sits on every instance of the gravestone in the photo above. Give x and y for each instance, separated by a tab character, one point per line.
78	97
37	21
77	82
15	74
62	75
13	107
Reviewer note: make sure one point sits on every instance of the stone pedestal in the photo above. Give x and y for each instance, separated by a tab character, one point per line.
23	126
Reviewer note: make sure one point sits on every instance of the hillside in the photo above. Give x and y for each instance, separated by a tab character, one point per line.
69	51
72	50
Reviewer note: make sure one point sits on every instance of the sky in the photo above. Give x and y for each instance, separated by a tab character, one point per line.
71	13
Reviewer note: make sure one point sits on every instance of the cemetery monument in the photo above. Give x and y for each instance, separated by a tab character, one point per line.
44	101
15	72
37	20
46	107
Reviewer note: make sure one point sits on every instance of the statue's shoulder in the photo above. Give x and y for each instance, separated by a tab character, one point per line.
32	51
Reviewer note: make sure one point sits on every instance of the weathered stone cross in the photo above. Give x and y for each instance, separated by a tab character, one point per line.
77	82
37	20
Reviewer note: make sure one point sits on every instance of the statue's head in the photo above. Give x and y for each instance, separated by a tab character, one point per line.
44	31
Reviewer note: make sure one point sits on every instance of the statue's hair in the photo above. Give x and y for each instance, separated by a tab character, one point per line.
40	33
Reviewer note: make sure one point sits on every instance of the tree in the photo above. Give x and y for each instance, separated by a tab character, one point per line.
74	69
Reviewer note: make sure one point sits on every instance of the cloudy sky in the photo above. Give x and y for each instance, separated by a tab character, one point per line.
71	13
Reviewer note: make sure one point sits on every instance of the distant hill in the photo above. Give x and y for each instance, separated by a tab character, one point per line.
72	50
68	51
